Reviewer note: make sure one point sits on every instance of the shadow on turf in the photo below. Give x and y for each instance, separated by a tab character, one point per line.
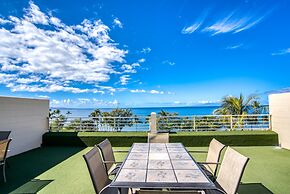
32	187
255	188
26	166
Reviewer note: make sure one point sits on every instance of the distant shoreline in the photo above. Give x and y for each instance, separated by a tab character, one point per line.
158	107
155	107
144	111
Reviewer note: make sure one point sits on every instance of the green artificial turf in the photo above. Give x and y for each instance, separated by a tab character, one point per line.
63	170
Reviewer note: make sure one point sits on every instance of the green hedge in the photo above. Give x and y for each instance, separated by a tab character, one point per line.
125	139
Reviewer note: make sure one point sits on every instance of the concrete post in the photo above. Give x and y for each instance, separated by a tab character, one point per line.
153	123
231	117
194	127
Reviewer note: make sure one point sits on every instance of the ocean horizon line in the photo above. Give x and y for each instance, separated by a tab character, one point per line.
147	107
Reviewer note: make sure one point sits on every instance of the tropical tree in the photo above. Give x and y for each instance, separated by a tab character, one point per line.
95	114
116	119
96	117
232	105
56	119
82	125
240	106
167	120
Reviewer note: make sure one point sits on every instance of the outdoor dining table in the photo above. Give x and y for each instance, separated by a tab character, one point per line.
161	165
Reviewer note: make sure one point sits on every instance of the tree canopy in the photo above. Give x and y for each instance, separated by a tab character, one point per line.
239	105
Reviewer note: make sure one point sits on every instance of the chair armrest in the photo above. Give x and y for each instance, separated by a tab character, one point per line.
209	163
121	151
112	162
109	162
107	186
198	151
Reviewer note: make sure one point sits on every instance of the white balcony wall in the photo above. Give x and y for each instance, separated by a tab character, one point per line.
27	119
279	105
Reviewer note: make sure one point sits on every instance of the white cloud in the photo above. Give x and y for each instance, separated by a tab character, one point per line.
130	68
62	57
234	47
149	91
168	62
208	101
124	79
83	102
142	60
34	15
146	50
117	22
43	96
196	25
282	52
107	88
138	91
3	21
156	92
234	23
190	29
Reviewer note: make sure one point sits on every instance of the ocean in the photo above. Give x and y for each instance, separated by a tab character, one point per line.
183	111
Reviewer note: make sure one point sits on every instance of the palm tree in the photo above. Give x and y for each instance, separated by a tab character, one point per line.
120	118
166	119
57	119
95	114
232	105
240	105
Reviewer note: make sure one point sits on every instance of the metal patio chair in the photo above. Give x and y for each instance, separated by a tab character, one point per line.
4	145
230	172
168	192
211	163
99	174
112	166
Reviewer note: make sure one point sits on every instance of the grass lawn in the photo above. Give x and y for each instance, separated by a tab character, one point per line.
63	170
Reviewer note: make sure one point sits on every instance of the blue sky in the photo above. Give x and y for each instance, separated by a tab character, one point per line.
143	53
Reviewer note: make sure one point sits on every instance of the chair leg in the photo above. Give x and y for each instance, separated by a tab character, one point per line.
4	173
7	164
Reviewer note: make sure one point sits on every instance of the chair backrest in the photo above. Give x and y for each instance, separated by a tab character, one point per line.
158	137
96	168
4	135
214	154
169	192
231	170
107	153
4	145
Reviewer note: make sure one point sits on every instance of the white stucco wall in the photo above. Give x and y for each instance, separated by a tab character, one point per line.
279	106
27	119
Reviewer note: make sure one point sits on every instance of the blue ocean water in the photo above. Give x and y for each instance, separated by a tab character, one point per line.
183	111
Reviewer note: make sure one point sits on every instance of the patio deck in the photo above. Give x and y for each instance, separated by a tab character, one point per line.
63	170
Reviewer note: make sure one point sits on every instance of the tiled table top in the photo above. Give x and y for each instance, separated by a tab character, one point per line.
159	165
